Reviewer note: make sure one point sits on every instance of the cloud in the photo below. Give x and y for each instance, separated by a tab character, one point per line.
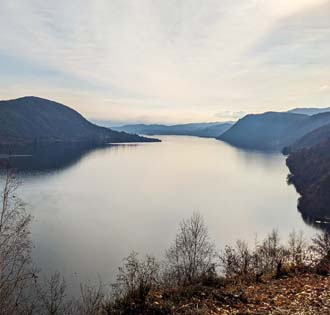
324	87
301	39
151	57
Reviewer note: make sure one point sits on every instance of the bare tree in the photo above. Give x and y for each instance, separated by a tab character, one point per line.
92	300
16	272
136	278
271	252
321	244
52	295
192	252
321	247
236	261
297	249
229	261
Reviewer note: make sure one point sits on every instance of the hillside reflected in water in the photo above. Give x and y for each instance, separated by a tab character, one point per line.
51	158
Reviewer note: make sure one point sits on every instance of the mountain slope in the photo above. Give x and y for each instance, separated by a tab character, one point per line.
315	137
209	130
298	131
273	131
33	120
261	131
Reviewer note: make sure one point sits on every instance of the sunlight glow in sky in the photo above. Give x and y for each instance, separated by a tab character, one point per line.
167	60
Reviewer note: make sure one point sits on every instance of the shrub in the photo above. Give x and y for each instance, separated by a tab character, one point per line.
321	247
236	261
136	278
270	254
297	249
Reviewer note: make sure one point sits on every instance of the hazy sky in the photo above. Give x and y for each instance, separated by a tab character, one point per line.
167	60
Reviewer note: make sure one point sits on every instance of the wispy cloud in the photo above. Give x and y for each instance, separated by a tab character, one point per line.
166	60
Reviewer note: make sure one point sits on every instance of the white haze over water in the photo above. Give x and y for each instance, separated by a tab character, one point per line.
167	61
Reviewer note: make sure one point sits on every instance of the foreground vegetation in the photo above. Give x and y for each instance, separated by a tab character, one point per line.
193	278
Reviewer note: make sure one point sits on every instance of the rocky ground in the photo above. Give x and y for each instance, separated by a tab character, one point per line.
306	294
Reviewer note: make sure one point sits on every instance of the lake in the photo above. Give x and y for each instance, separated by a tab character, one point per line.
92	208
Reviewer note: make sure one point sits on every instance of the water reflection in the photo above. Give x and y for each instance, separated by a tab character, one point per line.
51	158
317	223
106	202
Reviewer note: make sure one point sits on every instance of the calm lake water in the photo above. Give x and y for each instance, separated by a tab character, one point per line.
94	207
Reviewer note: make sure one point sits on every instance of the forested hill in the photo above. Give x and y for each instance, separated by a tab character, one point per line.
310	174
315	137
273	130
31	119
262	131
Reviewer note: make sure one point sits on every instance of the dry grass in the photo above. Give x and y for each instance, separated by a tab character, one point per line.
299	294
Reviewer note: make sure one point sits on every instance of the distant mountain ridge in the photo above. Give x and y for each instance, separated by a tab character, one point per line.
32	119
309	110
209	130
273	130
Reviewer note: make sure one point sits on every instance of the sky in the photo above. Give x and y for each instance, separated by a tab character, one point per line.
167	61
